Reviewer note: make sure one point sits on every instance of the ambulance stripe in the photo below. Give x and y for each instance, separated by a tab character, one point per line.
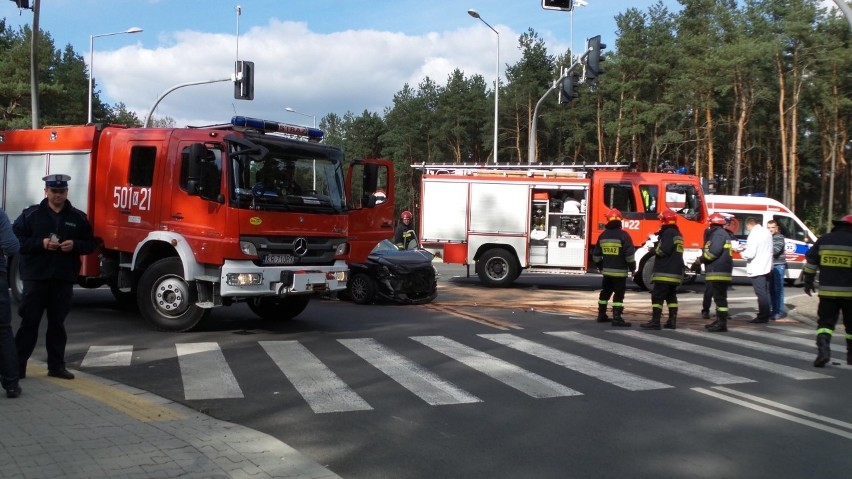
106	356
525	381
319	386
720	355
205	372
425	385
665	362
617	377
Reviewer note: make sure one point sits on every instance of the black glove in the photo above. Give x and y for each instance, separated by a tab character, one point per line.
631	267
599	266
809	287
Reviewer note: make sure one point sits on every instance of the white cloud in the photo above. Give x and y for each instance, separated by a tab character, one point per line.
313	73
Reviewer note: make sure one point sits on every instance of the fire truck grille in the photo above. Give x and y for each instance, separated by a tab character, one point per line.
294	250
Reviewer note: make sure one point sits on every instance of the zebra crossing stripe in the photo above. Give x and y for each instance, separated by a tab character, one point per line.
425	385
513	376
106	356
783	338
323	390
711	375
205	372
781	369
745	343
617	377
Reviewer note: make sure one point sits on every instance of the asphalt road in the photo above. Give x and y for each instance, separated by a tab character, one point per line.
518	382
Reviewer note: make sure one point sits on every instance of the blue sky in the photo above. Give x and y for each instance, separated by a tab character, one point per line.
315	57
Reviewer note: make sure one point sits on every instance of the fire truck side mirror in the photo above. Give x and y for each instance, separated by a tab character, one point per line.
196	155
371	178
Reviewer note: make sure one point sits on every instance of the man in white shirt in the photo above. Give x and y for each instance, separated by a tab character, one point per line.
758	256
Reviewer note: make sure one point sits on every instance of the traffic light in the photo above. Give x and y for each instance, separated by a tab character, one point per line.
22	3
564	5
244	81
593	59
569	89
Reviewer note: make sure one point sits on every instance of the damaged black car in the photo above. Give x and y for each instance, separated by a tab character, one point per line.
394	275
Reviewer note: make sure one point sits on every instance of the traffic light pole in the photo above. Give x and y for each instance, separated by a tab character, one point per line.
531	153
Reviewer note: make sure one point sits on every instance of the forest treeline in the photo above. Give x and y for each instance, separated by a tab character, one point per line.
752	93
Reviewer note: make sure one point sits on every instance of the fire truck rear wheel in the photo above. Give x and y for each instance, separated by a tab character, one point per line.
278	309
497	268
166	300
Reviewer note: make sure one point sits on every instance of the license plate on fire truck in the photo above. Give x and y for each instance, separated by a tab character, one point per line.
279	259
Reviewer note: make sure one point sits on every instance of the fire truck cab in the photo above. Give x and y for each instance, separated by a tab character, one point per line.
547	218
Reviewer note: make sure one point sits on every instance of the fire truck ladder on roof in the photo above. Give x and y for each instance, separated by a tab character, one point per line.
575	170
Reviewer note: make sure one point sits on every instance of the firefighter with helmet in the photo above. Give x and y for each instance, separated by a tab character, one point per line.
404	233
614	256
718	268
667	273
832	256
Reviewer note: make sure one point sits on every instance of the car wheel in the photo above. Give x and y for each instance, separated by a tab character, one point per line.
279	309
362	289
497	268
166	299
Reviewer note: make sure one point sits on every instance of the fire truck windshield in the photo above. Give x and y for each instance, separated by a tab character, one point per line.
271	173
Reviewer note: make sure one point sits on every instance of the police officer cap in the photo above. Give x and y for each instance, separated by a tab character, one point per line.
56	181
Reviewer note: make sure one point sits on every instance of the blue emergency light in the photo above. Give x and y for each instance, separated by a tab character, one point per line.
313	134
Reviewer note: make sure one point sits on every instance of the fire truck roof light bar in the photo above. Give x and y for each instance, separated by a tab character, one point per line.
313	134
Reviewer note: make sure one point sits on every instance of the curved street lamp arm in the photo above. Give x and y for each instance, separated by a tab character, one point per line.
163	95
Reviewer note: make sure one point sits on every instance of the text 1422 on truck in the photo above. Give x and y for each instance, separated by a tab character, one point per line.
546	218
194	218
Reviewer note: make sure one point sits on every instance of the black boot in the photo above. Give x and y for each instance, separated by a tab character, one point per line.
849	351
823	350
654	323
672	322
705	314
721	323
617	320
602	317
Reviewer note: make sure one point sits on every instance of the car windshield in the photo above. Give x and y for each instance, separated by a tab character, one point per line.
385	245
280	174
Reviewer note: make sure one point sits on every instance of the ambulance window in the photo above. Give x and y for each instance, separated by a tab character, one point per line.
789	228
142	165
620	196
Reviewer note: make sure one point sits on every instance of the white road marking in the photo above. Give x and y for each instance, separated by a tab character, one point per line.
781	369
711	375
205	372
745	343
525	381
323	390
425	385
106	356
782	415
617	377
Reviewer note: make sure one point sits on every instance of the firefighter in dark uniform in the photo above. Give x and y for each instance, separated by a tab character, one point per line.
832	255
53	235
667	273
614	256
402	235
718	266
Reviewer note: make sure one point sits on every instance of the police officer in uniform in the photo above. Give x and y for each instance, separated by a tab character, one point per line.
667	273
53	236
614	256
832	255
718	266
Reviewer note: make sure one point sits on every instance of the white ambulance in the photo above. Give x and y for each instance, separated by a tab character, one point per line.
798	238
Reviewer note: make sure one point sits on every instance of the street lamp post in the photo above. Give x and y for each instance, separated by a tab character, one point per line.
577	3
92	59
303	114
473	13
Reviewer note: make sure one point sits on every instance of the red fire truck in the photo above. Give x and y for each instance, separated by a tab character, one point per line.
194	218
547	218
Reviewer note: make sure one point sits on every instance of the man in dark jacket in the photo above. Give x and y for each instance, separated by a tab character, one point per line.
53	236
9	246
779	267
667	273
614	256
832	255
718	266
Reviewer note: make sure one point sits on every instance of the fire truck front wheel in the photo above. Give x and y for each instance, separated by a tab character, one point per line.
497	268
278	309
166	300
